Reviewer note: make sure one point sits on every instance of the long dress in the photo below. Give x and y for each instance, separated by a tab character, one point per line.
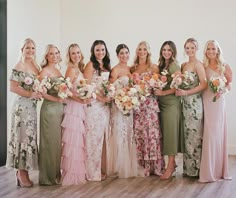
97	130
171	118
73	153
192	108
148	136
122	152
214	163
50	139
22	145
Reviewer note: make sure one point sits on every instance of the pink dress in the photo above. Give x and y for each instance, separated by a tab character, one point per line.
73	153
214	163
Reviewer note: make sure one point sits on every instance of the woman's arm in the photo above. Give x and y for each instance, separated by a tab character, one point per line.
114	75
15	88
88	71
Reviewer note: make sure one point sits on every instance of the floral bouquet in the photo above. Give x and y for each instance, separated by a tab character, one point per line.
217	86
127	99
42	86
85	90
138	82
181	81
156	81
63	87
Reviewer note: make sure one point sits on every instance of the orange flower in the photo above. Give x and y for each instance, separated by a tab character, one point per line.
155	76
216	82
146	77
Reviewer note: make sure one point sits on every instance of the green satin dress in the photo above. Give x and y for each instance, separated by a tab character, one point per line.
50	139
171	118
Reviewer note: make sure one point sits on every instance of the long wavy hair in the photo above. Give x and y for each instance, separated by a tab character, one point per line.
219	56
45	60
161	61
106	60
68	58
21	57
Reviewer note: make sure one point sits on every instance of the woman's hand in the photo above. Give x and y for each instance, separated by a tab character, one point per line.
36	95
181	92
106	99
61	100
159	92
85	101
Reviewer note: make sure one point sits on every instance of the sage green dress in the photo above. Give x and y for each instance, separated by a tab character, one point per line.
193	127
50	139
171	118
22	145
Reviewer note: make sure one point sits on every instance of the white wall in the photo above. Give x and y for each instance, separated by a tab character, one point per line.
130	21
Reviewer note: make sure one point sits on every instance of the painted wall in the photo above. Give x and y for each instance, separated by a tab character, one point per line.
64	21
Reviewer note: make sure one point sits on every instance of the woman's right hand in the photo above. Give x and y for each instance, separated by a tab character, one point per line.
61	100
36	95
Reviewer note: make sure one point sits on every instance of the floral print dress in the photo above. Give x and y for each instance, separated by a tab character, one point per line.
193	127
148	136
22	145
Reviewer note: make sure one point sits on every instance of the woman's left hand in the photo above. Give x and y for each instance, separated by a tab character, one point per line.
181	92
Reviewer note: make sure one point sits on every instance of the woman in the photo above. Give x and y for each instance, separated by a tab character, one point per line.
146	119
98	114
192	109
22	146
50	120
214	163
73	150
122	152
170	106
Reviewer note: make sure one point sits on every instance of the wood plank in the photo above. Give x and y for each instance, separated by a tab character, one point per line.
151	187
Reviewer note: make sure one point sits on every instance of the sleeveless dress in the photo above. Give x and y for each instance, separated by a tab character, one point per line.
214	163
73	153
192	108
22	145
148	136
50	139
122	152
171	118
97	128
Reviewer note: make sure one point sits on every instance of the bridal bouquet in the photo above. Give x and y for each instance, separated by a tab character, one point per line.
217	86
85	90
126	99
181	80
63	87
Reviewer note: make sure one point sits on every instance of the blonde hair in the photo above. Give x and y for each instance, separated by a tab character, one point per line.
45	61
136	58
219	56
23	44
68	58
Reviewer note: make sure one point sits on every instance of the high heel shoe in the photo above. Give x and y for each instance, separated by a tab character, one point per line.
22	184
169	173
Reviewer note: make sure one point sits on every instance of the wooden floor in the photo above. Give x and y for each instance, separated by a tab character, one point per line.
179	187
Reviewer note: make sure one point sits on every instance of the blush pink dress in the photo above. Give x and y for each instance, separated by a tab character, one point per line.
73	151
214	163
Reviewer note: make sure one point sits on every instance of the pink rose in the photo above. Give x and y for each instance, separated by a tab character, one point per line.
28	80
